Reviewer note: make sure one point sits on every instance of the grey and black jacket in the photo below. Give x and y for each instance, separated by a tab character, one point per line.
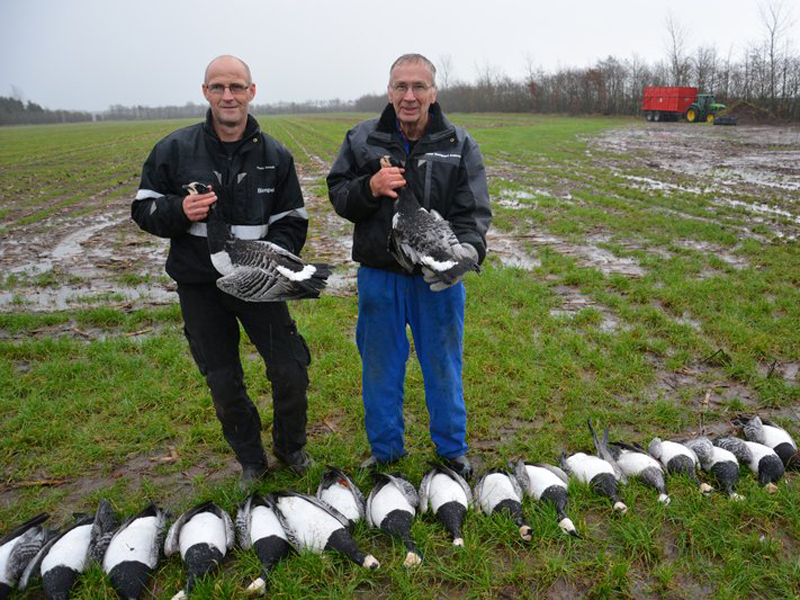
259	174
444	169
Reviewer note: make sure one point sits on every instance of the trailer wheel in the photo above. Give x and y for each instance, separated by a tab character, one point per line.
656	115
648	115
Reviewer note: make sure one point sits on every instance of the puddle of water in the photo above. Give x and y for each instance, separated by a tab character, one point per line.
510	253
654	184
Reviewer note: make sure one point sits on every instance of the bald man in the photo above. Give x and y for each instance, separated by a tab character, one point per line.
263	201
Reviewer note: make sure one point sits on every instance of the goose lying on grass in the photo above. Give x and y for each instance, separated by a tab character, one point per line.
547	483
770	434
499	490
313	526
204	536
337	490
677	458
391	507
762	460
719	462
258	527
447	495
133	552
17	549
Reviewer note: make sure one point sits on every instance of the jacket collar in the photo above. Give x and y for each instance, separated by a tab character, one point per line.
252	128
437	122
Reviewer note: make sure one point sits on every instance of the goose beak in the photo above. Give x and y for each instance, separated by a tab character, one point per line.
771	488
412	559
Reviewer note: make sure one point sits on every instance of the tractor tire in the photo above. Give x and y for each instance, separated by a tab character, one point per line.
710	118
691	115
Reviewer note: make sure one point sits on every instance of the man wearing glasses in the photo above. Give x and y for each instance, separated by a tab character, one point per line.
443	166
261	199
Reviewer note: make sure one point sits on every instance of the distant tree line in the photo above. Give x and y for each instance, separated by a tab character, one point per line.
16	112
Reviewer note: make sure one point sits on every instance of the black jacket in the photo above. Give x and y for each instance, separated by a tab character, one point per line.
259	174
444	169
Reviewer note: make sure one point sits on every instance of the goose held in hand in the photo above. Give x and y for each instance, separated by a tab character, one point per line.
256	270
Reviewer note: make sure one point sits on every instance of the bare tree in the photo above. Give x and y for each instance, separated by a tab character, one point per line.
676	49
777	22
445	71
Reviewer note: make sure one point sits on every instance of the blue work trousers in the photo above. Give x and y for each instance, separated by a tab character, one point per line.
387	302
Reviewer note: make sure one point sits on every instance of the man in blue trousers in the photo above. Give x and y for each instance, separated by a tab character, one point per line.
443	166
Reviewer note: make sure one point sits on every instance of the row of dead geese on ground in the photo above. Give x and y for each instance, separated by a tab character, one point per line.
274	524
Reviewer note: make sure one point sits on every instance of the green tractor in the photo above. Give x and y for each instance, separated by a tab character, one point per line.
704	108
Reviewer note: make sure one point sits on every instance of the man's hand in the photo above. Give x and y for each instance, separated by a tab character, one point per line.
386	181
196	206
461	252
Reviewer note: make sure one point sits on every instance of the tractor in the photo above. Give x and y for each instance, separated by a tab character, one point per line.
704	108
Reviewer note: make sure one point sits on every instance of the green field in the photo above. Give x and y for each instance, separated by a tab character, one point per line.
654	309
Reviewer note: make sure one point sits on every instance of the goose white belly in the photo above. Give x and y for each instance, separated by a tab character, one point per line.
586	467
775	437
670	450
757	452
264	523
311	525
203	528
633	463
496	488
719	455
387	499
134	543
340	498
541	479
70	550
443	490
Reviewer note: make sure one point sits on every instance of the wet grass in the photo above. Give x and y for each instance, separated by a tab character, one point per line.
106	402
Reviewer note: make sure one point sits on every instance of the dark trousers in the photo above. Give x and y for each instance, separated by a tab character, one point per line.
211	324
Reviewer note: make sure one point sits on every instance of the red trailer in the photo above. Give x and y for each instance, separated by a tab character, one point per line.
667	103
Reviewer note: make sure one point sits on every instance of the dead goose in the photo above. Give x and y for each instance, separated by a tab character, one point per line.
762	460
677	458
719	462
447	495
64	557
256	270
423	239
601	472
311	525
17	549
635	462
259	528
133	552
338	490
391	507
547	483
770	434
499	490
203	535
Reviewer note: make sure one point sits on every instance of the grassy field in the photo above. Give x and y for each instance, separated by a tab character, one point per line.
650	309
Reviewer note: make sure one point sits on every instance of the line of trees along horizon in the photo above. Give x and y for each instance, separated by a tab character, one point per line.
767	75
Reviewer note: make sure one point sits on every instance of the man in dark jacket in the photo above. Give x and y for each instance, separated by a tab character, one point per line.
262	201
443	166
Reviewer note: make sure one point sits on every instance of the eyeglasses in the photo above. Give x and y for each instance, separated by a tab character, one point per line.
417	88
237	89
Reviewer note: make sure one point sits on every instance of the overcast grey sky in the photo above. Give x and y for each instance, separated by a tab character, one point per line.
90	54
